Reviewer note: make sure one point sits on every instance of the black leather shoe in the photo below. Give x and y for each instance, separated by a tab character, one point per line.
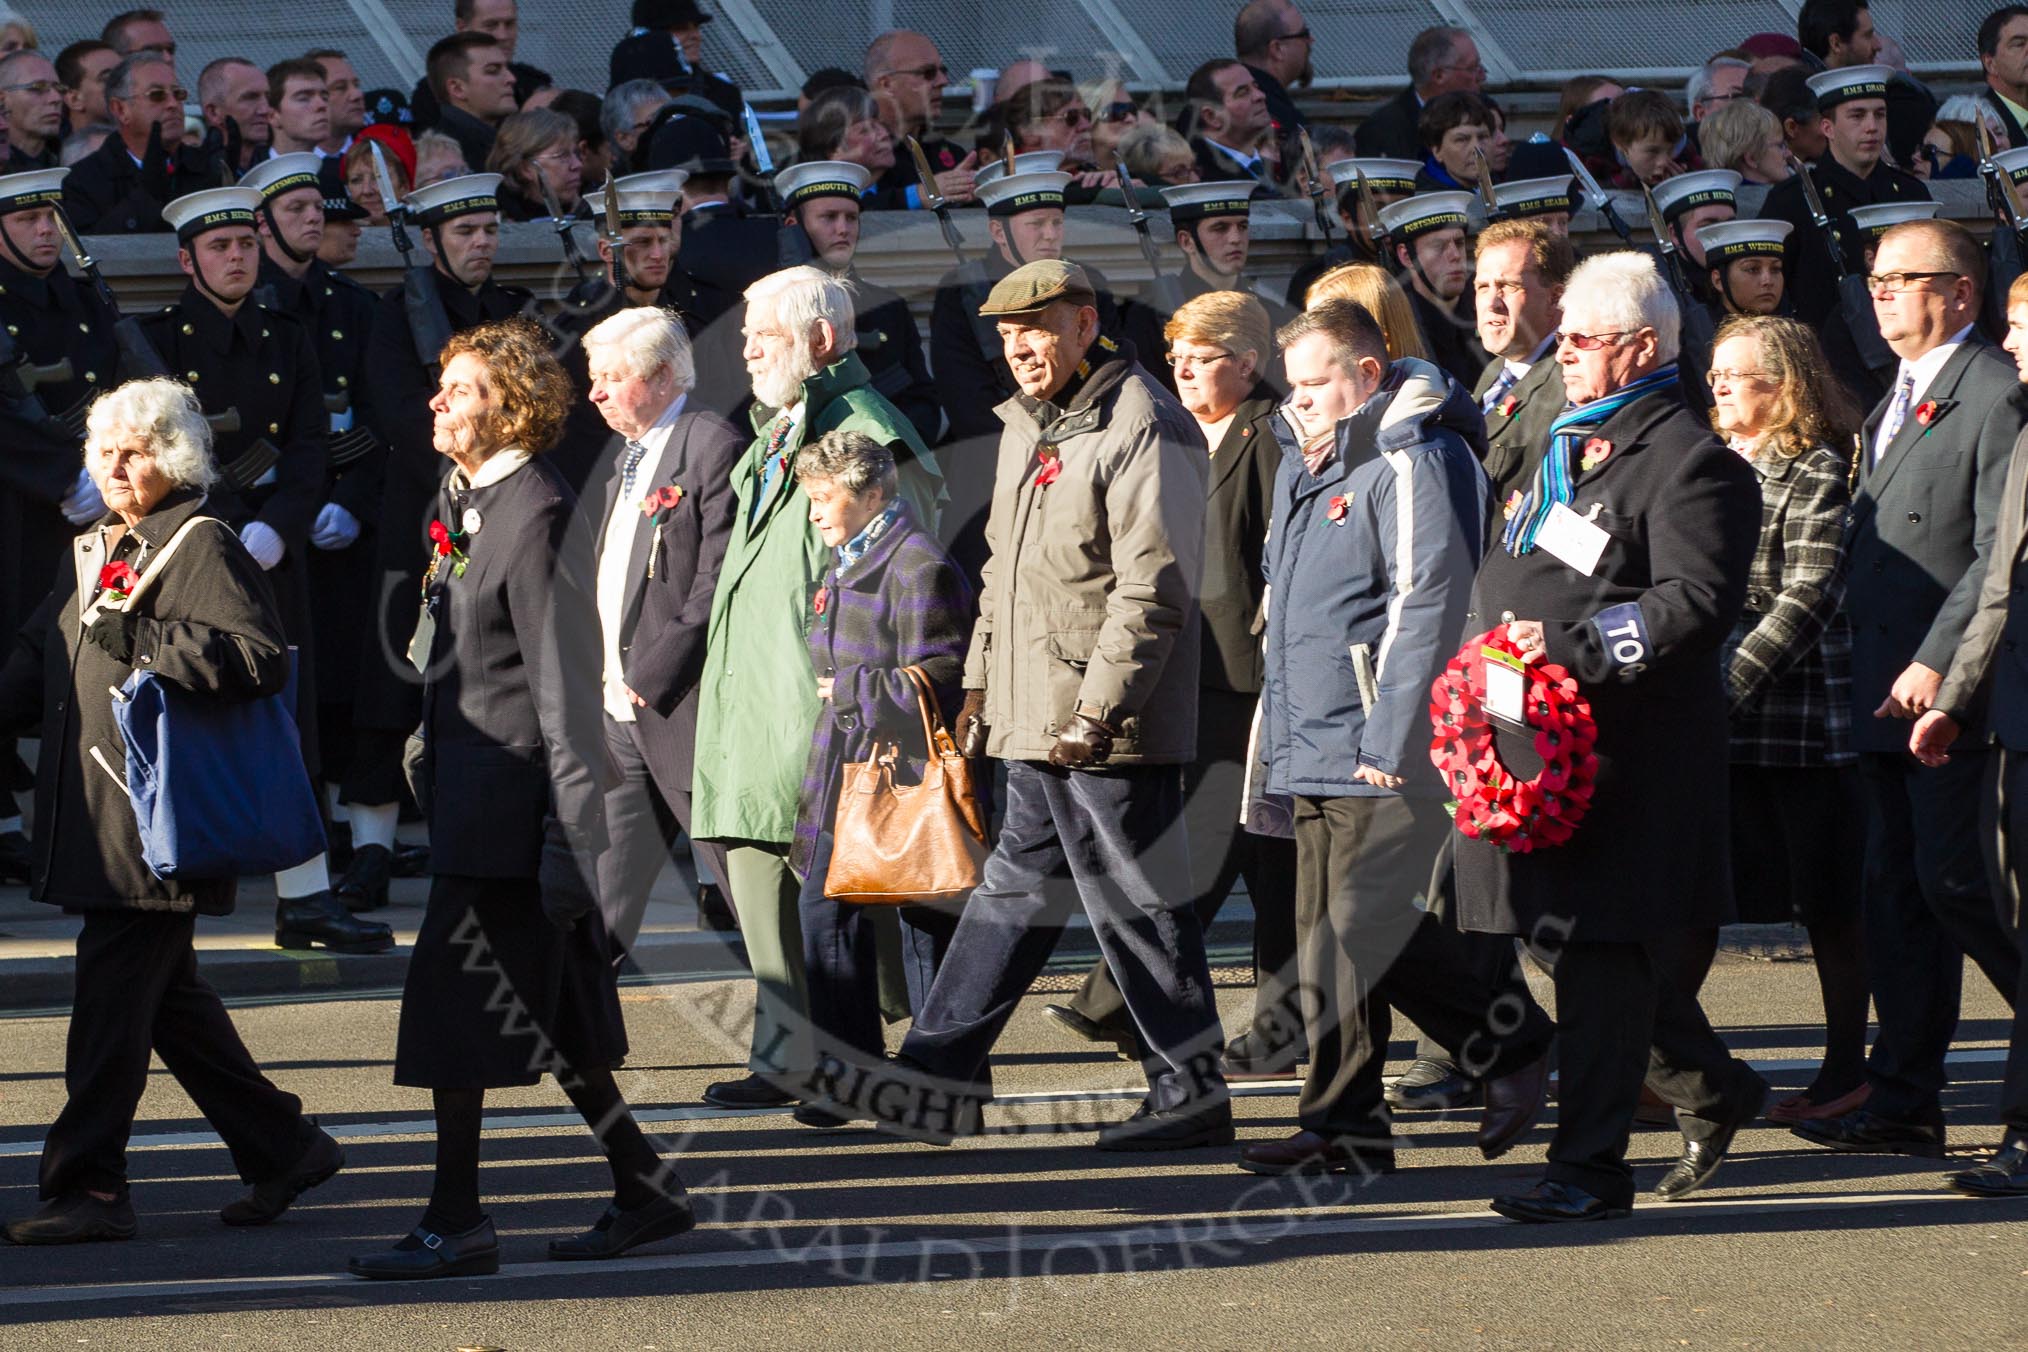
810	1115
15	859
1701	1159
1308	1152
364	886
714	912
755	1091
1091	1030
424	1254
411	861
1432	1085
79	1218
266	1201
1170	1129
1867	1132
2004	1175
618	1231
1549	1203
320	921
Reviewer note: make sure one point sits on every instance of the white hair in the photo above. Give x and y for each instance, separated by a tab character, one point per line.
798	297
1621	292
1971	108
1701	82
163	413
642	340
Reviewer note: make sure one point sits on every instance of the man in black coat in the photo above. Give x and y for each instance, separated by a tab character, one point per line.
1274	42
1387	181
500	22
121	188
472	85
659	506
2003	52
667	46
1626	567
1228	121
1517	284
1440	60
1428	239
721	249
906	74
1935	455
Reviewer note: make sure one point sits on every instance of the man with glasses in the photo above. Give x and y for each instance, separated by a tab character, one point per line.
1274	42
1228	123
1933	460
121	188
906	73
33	102
140	30
1440	61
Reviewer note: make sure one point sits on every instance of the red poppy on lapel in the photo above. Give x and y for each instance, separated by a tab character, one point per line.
1507	406
1925	412
1052	467
823	601
1596	452
1336	510
116	579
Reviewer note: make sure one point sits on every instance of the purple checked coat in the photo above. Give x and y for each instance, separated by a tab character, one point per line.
903	604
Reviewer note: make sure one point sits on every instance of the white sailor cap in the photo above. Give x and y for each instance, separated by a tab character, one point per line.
285	173
1190	202
1526	197
2013	162
214	208
1012	194
1418	215
1687	192
460	196
821	178
635	208
1729	241
1833	87
668	181
1388	176
1029	162
1878	219
36	188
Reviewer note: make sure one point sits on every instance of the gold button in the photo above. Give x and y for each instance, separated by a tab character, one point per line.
188	329
91	376
193	375
84	328
342	382
338	333
264	333
274	428
274	378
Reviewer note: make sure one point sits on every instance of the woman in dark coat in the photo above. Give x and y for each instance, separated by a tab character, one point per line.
207	621
511	975
890	599
1626	564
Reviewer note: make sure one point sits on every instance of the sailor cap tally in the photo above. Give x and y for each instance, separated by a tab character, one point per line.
800	183
1028	162
212	209
1528	197
1704	188
1727	242
1878	219
1190	202
1833	87
285	173
36	188
1419	215
1012	194
460	196
1389	176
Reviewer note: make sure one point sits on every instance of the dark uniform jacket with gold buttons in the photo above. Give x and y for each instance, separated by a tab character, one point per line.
1812	287
338	313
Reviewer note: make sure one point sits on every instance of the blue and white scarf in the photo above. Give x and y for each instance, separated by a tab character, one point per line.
1553	480
855	548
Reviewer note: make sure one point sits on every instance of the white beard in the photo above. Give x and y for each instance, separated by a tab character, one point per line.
781	384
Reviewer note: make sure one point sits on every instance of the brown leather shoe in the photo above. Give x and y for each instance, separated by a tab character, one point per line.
1306	1152
1512	1104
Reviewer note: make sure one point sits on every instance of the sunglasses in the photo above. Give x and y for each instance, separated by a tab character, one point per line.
1120	112
1592	342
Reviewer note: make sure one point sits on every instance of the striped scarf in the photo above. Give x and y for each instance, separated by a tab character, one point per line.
1554	482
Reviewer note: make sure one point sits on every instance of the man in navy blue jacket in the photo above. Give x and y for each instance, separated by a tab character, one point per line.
1378	524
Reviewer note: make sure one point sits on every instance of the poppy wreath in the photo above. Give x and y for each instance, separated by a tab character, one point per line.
1493	805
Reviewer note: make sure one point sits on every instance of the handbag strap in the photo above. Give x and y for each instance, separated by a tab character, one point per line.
936	738
148	575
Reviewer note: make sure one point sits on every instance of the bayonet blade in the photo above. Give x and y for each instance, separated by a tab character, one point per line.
1486	197
926	182
549	202
389	201
1007	151
1594	193
70	237
1664	240
615	242
757	142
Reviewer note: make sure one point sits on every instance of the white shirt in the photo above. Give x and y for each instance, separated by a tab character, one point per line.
1924	369
616	548
1245	161
492	470
1519	369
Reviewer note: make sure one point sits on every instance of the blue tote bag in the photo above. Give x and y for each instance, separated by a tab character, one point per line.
219	786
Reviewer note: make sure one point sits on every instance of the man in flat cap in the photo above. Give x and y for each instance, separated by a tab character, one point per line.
1082	676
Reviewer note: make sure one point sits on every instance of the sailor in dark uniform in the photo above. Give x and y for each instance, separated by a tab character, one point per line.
58	353
1387	181
720	248
337	312
459	222
1852	172
1214	234
1688	203
1743	267
1536	199
255	373
822	199
1427	232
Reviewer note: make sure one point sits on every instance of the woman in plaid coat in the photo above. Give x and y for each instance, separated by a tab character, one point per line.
891	598
1798	830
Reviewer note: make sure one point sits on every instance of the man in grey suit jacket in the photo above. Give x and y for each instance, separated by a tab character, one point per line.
1987	686
659	505
1933	460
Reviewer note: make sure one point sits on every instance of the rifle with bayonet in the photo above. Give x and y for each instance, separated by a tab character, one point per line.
933	198
565	226
1697	330
1313	185
1601	200
616	241
1166	289
1855	299
2004	250
428	322
1366	216
138	358
792	242
1488	199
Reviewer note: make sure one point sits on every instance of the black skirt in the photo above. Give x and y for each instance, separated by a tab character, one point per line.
498	996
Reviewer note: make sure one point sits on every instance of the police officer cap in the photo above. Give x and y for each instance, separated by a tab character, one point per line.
436	203
212	209
1833	87
340	207
1032	286
1029	162
821	178
36	188
284	173
1686	192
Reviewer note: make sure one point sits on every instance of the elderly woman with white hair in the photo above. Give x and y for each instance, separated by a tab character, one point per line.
757	706
206	621
1625	563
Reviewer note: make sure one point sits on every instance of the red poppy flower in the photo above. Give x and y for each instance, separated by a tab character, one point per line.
440	535
1052	468
1595	452
117	578
823	601
1336	510
1925	412
1507	407
669	494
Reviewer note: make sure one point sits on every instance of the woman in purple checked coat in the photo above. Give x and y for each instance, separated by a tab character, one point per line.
890	599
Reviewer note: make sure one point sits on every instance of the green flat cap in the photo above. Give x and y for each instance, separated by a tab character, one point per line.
1034	285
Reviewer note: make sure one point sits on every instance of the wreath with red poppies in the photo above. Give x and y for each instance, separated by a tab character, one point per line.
1492	804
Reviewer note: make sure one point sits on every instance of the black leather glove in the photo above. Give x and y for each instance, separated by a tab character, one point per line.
113	630
567	894
417	769
1083	741
155	167
971	729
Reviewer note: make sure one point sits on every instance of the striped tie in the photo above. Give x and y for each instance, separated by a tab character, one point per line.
629	467
1505	383
1897	414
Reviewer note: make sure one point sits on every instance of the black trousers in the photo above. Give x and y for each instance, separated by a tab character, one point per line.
1928	905
643	813
138	990
1619	1021
1490	958
1364	944
2006	832
1222	853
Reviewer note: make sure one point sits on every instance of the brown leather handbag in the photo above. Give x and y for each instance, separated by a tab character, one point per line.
895	843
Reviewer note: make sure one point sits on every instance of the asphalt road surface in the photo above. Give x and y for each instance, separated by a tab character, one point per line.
1027	1237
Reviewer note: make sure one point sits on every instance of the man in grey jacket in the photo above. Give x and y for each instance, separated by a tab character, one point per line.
1082	676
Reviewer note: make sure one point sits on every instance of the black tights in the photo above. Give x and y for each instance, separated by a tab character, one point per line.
639	1176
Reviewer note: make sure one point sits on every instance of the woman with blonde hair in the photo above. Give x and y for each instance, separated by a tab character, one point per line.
1373	289
1746	138
531	147
1796	815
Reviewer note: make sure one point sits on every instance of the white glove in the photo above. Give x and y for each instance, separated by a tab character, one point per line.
262	542
82	505
335	529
